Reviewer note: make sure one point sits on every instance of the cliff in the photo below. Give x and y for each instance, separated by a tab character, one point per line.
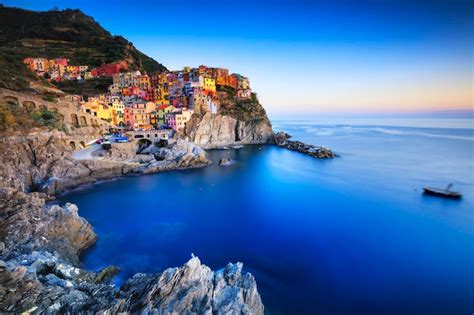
237	122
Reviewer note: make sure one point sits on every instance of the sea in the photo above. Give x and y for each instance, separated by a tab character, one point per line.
349	235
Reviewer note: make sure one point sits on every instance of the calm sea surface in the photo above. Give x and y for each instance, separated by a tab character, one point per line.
353	235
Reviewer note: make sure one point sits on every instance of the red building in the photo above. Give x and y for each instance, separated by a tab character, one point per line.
107	70
61	61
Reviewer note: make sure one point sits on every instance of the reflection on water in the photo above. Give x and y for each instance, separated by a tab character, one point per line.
353	235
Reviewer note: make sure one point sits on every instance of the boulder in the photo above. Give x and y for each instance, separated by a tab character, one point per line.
225	162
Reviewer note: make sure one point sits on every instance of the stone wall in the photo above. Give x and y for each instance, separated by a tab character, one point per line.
70	111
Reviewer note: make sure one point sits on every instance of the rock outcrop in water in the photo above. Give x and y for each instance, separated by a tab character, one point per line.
39	249
281	140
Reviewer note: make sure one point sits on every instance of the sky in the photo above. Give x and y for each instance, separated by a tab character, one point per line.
304	57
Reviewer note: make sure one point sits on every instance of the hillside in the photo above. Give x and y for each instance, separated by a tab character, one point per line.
68	33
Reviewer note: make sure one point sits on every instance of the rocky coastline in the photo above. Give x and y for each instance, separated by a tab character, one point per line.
40	242
40	271
281	140
42	128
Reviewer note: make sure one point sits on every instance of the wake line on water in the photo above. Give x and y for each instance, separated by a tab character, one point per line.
325	130
398	132
395	132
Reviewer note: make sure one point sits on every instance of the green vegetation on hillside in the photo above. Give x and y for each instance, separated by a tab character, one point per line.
15	75
86	88
14	117
67	33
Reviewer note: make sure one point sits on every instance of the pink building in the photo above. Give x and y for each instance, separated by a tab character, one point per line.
171	121
128	117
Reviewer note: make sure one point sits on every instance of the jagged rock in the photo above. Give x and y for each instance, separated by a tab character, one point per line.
66	271
26	224
181	154
281	140
106	274
39	270
193	289
225	162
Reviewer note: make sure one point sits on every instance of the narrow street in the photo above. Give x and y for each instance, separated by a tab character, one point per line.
86	154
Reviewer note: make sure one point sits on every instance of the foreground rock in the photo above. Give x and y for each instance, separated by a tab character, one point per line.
281	140
192	289
39	271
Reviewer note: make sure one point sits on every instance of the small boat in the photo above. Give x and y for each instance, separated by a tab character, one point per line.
121	139
445	193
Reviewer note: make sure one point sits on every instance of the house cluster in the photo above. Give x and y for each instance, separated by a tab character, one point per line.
164	100
59	69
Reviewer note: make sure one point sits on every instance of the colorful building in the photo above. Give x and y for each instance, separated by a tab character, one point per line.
140	116
171	121
181	119
161	112
94	107
108	70
118	113
207	83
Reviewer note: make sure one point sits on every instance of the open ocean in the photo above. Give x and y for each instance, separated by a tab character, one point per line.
352	235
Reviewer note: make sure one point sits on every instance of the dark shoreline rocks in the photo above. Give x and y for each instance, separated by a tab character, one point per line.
281	139
40	271
40	243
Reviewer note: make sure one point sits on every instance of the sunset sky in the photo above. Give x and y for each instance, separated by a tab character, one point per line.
310	56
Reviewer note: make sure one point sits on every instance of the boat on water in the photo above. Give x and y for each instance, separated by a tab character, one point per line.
121	139
444	193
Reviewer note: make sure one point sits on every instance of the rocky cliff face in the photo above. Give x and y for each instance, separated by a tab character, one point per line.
42	161
211	131
39	248
237	122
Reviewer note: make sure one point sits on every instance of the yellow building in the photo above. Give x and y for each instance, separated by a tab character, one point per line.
94	107
143	81
70	68
208	84
118	111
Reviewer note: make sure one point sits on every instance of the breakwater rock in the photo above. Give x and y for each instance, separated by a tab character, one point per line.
281	140
40	272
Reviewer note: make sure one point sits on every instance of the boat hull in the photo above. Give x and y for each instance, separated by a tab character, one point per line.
441	193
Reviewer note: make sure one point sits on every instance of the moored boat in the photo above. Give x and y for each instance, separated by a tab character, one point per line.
121	139
445	193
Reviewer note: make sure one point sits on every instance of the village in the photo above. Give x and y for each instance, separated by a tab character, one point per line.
138	101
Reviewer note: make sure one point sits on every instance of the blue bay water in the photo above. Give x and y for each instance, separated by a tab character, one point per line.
352	235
